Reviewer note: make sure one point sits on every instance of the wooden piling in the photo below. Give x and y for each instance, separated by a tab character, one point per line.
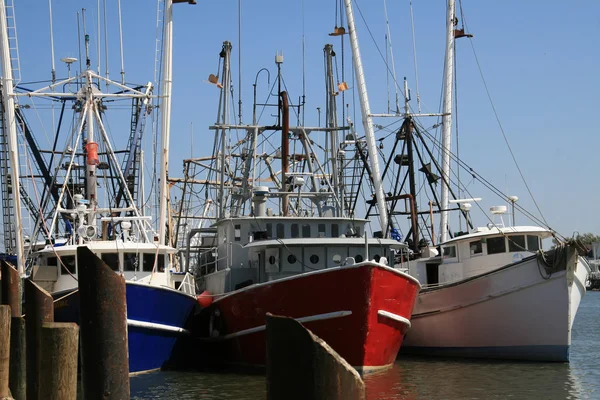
59	361
302	366
17	374
11	296
4	349
103	324
10	288
39	309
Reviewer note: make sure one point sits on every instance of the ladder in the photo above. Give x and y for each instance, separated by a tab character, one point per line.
8	212
13	42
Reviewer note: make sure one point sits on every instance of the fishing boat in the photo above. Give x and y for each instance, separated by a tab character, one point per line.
284	238
160	294
491	291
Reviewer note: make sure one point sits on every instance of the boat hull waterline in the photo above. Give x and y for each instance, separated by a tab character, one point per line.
361	311
156	317
517	312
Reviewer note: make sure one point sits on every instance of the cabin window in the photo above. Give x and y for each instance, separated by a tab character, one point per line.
67	265
533	243
51	261
335	230
237	233
291	259
496	245
148	262
449	252
337	259
295	231
111	259
130	262
314	259
476	247
358	258
269	230
305	231
321	229
516	243
376	257
280	231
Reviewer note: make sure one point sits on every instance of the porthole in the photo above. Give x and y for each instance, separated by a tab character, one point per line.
292	259
314	259
272	260
376	257
358	258
337	259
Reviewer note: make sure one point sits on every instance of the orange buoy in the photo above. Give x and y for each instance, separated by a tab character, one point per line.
205	299
92	153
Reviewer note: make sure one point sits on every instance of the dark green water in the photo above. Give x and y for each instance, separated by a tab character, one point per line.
426	378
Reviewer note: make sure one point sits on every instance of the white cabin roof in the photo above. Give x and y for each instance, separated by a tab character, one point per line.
103	246
480	232
340	241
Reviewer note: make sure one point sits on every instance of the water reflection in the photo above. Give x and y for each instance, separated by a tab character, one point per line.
425	378
428	378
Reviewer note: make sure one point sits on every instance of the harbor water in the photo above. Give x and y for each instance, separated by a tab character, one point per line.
426	378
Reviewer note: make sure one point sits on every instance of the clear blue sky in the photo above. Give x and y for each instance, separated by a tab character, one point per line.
540	60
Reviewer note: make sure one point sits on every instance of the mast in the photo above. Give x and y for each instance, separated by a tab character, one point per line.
11	126
447	117
166	118
331	118
367	121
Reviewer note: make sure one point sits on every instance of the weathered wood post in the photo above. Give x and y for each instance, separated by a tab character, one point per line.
302	366
60	345
10	288
11	296
103	324
4	349
39	308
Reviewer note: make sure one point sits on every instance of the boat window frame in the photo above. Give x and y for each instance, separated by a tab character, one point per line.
512	243
305	230
280	230
480	247
538	242
295	231
63	264
452	255
493	239
125	261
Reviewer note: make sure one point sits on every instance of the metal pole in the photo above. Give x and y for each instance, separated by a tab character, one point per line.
166	118
11	127
367	121
447	118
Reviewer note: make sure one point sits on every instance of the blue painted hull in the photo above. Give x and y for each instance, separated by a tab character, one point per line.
531	353
149	348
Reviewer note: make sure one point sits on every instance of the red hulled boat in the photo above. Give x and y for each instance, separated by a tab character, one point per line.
362	311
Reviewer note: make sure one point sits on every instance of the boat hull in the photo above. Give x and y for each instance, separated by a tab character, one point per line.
361	311
516	312
156	317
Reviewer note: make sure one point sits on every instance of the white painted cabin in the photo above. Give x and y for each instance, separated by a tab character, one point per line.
484	249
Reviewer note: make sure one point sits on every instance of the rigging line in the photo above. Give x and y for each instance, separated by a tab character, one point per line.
105	47
456	127
240	61
121	43
99	43
489	185
377	46
53	72
503	133
389	40
412	23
